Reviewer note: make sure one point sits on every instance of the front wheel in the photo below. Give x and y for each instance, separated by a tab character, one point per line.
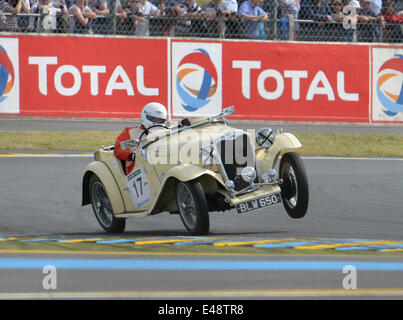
193	208
102	207
294	190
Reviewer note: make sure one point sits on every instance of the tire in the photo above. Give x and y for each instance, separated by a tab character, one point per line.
294	189
192	207
102	207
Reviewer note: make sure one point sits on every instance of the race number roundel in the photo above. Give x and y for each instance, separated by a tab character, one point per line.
139	188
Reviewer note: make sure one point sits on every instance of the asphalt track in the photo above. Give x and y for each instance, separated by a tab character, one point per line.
349	199
197	277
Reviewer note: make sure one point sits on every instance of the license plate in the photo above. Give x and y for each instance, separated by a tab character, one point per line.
258	203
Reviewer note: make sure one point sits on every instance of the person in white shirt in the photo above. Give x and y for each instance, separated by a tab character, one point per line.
376	6
49	21
146	9
232	5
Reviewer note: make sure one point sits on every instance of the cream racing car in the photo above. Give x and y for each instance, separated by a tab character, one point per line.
196	167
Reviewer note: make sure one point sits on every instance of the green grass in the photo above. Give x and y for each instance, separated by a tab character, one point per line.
338	144
56	140
325	144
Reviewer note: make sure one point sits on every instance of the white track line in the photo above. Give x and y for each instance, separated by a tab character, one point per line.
45	155
267	293
89	155
351	158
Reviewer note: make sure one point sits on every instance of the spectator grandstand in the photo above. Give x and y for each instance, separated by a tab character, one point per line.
298	20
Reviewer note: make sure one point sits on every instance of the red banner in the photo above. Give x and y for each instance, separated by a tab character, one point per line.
91	77
297	82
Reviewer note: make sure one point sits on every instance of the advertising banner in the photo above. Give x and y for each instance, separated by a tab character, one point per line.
114	77
91	77
9	76
297	82
196	78
387	84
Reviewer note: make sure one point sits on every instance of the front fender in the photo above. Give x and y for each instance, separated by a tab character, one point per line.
187	172
284	142
184	172
101	170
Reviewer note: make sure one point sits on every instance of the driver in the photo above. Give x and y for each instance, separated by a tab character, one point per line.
153	113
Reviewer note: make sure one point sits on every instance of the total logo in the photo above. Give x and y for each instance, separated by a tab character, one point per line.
197	61
7	75
196	79
389	85
9	81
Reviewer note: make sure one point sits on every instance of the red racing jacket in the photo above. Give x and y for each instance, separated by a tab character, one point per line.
123	154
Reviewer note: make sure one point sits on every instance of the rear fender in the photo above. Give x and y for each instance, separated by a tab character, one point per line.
101	170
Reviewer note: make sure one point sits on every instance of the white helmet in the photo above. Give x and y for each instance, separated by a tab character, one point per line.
153	113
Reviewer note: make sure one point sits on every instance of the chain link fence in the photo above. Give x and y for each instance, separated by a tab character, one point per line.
310	20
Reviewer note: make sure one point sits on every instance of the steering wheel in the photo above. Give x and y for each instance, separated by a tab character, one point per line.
146	131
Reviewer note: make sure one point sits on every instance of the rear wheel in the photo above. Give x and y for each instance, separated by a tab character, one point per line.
102	207
193	208
294	190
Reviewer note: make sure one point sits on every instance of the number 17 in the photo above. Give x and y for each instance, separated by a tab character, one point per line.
140	186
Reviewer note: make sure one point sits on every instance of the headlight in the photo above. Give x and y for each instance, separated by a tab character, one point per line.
248	174
206	155
269	176
265	137
229	184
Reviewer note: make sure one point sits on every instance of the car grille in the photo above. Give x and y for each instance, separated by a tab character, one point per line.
236	153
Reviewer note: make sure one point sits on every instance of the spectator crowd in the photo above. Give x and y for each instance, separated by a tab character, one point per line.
302	20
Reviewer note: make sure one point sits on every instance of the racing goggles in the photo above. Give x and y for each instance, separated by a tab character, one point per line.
155	119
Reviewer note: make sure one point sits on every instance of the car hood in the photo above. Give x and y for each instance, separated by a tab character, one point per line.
184	146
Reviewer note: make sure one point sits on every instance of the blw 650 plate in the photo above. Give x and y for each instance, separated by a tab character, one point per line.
258	203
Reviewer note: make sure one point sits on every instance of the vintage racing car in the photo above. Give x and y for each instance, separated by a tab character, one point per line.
196	167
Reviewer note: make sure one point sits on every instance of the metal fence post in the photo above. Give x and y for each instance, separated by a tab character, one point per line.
114	10
222	27
291	27
275	18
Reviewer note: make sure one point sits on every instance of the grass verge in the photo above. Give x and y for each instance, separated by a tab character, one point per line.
323	144
359	145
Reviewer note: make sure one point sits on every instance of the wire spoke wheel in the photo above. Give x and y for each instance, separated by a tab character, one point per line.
291	189
193	208
294	190
187	205
102	207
